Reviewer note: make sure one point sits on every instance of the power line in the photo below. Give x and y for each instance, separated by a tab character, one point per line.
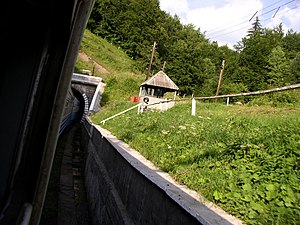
278	14
226	28
245	17
247	21
223	34
241	28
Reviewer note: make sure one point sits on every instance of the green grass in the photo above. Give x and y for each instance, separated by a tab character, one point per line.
106	54
245	159
122	79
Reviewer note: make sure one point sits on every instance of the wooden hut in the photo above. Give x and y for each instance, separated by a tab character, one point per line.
155	87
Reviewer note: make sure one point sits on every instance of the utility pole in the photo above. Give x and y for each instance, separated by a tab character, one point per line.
93	73
151	60
220	79
163	69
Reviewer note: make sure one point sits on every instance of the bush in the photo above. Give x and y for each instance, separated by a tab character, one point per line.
277	99
233	88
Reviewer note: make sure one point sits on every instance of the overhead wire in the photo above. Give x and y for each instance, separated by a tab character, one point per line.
278	14
245	17
247	21
248	26
218	34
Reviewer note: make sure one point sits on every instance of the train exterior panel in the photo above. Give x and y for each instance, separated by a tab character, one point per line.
37	104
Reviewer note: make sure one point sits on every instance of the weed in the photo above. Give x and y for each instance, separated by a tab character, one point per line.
245	159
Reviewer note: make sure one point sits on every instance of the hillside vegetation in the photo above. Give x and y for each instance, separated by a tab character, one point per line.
122	79
244	158
264	58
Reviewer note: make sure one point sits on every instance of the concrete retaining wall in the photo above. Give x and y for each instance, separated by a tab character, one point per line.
124	188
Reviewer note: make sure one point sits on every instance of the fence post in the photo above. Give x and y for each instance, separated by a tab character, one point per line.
227	102
193	107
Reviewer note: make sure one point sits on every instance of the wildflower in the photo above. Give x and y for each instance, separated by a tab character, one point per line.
182	127
165	132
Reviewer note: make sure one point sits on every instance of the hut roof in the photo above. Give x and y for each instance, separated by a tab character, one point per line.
161	80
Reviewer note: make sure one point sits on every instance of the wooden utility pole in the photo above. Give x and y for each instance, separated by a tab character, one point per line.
220	79
151	60
93	73
163	69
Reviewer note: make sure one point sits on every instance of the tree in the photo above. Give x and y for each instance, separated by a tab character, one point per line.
295	69
256	28
130	24
185	59
278	66
291	44
192	61
254	54
211	77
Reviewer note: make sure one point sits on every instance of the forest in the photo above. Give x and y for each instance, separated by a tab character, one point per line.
264	58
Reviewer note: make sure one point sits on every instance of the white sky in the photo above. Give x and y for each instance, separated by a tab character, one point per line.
227	21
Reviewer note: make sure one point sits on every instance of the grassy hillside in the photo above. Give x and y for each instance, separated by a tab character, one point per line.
122	79
244	158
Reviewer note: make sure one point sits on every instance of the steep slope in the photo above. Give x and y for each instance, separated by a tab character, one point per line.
118	71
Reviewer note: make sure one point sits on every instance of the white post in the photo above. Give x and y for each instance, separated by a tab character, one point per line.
161	106
193	107
175	95
227	102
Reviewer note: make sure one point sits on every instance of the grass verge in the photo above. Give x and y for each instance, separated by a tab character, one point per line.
245	159
122	80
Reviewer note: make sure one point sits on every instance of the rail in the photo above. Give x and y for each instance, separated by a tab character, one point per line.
285	88
120	113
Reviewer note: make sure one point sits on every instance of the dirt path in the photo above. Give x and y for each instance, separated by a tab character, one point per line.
98	67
